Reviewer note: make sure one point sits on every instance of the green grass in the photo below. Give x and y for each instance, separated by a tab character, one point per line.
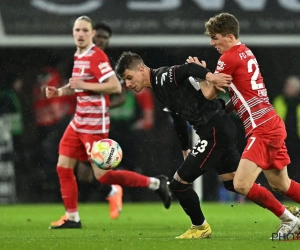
141	226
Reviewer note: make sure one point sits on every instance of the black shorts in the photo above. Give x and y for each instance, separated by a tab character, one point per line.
215	148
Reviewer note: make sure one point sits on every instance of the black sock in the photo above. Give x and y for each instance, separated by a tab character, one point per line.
190	203
105	189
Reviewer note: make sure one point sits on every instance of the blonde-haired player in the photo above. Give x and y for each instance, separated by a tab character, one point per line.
93	80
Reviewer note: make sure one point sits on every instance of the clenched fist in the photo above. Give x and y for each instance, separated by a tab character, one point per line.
51	92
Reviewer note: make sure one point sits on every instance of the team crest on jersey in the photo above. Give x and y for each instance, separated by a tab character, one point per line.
221	65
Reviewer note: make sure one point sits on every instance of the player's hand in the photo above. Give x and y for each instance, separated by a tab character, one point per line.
196	60
51	92
220	80
185	153
76	83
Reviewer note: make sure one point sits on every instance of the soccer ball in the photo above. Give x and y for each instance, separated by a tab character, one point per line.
106	154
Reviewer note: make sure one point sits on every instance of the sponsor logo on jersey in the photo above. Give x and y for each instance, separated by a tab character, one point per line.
104	67
221	65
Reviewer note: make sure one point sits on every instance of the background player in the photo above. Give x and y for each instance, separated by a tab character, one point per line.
91	123
85	174
118	119
265	131
180	95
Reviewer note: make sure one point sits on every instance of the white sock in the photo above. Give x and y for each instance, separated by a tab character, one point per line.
154	183
113	191
287	215
73	216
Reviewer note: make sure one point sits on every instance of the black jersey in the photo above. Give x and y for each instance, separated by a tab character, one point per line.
176	88
180	93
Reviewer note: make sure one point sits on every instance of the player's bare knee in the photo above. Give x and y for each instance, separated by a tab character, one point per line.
241	187
66	162
98	173
61	162
242	190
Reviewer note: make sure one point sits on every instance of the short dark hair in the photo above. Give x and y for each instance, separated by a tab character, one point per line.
86	18
103	26
128	60
224	24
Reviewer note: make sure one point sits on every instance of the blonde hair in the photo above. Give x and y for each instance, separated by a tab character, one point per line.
87	19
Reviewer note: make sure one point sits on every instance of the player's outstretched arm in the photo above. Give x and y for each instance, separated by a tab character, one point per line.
51	92
118	99
208	90
54	92
111	85
219	80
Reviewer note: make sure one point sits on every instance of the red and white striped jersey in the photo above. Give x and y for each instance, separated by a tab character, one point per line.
247	90
91	115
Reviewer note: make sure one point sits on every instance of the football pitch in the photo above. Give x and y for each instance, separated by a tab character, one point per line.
140	226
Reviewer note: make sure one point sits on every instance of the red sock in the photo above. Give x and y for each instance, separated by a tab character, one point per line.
264	198
68	188
294	191
125	178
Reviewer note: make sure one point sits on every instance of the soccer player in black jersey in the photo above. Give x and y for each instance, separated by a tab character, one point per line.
181	94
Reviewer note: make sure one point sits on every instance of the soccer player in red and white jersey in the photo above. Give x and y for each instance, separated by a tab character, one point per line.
265	131
93	80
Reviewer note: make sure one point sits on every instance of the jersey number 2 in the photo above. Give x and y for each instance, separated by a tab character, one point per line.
254	77
89	147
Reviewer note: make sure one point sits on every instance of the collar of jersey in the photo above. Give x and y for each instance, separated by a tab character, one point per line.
85	52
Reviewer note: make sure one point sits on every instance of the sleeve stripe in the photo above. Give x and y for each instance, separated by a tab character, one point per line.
104	77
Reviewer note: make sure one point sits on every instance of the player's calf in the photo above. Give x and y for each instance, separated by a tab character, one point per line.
188	200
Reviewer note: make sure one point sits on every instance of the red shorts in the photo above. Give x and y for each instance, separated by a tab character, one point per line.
266	146
78	145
